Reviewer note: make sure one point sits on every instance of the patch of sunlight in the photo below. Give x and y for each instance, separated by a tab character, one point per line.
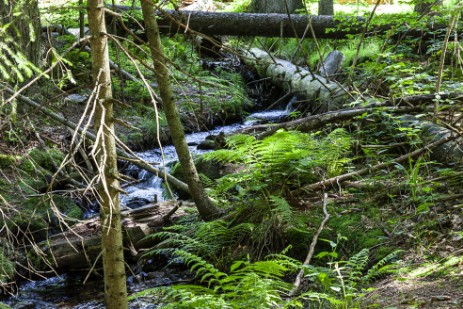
427	269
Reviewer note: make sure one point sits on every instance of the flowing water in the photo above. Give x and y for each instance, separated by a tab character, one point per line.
69	291
150	187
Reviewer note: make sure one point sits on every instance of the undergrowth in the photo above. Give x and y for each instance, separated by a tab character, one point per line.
264	284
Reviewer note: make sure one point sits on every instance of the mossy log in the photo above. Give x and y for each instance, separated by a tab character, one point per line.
319	93
79	247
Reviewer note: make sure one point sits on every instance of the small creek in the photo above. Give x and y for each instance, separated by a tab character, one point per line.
69	291
150	186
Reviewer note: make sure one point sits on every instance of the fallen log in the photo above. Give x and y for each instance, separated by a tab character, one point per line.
79	247
336	181
264	25
314	122
248	24
314	91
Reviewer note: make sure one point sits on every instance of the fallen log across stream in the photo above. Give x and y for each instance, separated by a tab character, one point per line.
79	247
326	100
317	92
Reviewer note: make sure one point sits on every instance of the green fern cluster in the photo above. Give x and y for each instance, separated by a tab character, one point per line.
285	160
211	240
274	166
262	284
342	283
246	285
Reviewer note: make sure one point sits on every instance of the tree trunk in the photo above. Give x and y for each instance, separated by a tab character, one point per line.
25	27
115	289
275	6
326	7
424	7
207	209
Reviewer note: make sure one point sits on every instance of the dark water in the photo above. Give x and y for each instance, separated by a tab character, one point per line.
69	291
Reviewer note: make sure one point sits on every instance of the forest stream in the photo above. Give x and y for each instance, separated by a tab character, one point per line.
67	291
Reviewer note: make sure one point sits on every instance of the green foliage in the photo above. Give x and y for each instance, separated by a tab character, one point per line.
66	14
208	239
246	285
291	158
47	158
261	284
38	214
7	267
7	161
343	282
14	65
238	6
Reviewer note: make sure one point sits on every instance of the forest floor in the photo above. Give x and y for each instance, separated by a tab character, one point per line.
428	285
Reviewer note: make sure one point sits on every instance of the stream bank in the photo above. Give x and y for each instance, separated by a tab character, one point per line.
69	290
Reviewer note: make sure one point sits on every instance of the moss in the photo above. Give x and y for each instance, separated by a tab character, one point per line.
7	160
362	227
7	267
37	214
47	159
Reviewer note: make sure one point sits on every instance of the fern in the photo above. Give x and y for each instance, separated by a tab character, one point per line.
355	267
207	239
382	267
285	159
247	285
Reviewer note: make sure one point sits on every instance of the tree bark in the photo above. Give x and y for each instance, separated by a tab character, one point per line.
275	6
115	288
251	24
325	7
264	25
206	208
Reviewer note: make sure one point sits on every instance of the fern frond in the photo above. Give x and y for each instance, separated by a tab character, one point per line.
382	267
281	209
356	265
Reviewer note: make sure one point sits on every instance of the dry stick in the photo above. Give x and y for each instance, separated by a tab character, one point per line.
362	39
123	155
299	276
316	121
336	180
440	73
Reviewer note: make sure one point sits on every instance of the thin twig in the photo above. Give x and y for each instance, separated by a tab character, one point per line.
348	176
297	282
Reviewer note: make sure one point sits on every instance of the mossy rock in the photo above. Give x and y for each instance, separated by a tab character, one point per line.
46	159
37	214
37	168
7	267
